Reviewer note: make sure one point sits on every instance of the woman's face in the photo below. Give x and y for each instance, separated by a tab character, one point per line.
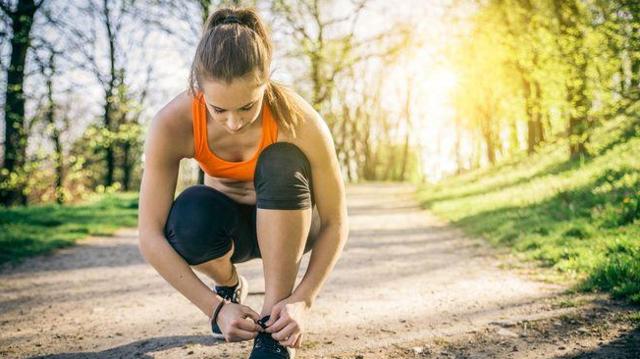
234	106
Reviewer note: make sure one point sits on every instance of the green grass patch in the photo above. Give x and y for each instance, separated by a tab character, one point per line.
581	218
27	231
634	318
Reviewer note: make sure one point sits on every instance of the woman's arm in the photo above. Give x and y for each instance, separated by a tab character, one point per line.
161	165
316	141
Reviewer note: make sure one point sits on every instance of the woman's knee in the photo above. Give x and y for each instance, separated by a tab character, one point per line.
283	178
198	224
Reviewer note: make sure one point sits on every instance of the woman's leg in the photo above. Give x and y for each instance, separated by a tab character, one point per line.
221	270
284	217
206	227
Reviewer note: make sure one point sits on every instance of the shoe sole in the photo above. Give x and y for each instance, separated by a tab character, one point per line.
244	292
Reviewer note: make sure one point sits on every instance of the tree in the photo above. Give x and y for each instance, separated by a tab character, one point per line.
48	70
571	41
523	23
329	49
121	34
21	17
127	136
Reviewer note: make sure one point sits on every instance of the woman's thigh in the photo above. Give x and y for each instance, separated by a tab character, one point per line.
203	223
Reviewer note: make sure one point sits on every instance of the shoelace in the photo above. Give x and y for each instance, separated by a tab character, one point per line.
265	342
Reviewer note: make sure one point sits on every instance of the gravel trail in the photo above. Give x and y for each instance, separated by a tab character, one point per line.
404	277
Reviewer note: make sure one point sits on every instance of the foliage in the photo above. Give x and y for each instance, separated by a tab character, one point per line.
541	69
580	217
389	165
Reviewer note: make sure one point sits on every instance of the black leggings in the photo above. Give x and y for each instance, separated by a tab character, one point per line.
203	222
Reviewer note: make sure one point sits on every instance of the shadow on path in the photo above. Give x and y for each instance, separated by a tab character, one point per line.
140	348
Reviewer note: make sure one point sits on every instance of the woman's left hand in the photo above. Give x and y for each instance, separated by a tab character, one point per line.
286	323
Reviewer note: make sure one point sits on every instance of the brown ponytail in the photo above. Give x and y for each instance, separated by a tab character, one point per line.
235	43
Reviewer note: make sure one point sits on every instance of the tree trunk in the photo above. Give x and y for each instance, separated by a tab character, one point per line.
15	135
488	136
578	118
514	140
574	52
55	137
200	176
366	146
127	165
532	90
407	113
108	106
458	145
354	134
55	133
344	146
491	149
204	7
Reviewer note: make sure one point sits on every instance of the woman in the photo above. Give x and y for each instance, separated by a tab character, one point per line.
273	189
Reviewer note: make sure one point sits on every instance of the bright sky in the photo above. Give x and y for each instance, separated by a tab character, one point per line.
432	81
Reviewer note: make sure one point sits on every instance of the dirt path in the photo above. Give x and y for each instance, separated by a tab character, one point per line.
406	285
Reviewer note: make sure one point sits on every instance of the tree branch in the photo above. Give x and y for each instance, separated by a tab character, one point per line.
283	8
40	3
5	7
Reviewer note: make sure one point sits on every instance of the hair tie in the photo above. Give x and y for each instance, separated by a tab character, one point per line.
231	19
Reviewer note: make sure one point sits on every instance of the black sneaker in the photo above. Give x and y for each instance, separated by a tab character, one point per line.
236	294
265	347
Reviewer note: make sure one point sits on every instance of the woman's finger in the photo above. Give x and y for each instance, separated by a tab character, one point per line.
251	313
298	342
248	325
289	330
289	342
239	334
278	325
275	314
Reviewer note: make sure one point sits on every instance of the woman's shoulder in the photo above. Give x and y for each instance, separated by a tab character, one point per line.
175	120
312	125
313	135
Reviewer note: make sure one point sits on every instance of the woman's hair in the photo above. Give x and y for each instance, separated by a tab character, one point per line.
234	44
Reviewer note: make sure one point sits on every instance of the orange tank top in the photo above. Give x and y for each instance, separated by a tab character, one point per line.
215	166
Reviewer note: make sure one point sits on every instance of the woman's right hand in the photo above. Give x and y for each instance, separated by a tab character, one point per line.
238	322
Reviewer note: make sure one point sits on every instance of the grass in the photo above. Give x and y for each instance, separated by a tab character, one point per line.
579	217
28	231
